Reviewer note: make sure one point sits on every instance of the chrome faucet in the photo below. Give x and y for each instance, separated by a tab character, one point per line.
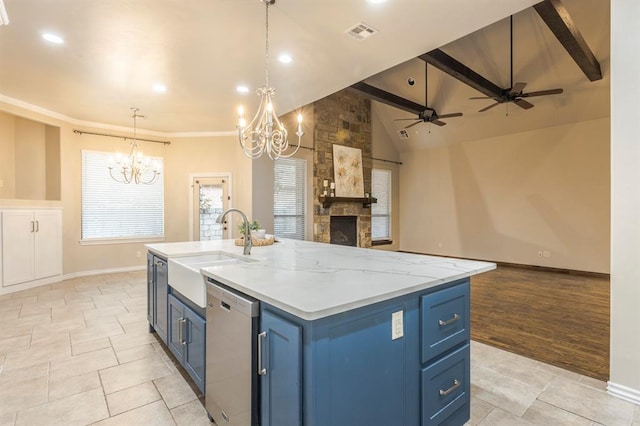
247	231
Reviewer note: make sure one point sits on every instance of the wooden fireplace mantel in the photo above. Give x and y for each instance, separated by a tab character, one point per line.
327	201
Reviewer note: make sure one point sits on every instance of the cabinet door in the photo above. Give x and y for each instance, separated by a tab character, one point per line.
18	228
176	319
151	298
194	354
48	243
281	385
161	292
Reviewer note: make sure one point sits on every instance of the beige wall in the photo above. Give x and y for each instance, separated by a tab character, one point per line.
507	198
384	149
183	157
52	163
7	155
30	160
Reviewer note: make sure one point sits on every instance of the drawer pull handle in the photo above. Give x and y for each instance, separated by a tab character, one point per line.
456	385
455	318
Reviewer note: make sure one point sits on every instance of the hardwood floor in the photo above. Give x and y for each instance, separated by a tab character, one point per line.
553	317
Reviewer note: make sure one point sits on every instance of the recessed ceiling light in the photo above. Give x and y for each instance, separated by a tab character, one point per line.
242	89
285	58
53	38
159	88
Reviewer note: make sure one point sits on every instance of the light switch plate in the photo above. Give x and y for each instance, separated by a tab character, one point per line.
397	325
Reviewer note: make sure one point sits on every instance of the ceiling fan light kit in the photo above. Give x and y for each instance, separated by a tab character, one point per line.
514	93
428	115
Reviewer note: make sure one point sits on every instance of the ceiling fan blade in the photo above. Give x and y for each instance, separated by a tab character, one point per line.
481	97
438	122
406	119
523	104
489	107
411	125
517	88
453	114
542	93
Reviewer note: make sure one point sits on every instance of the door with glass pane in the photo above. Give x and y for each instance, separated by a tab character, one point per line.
210	198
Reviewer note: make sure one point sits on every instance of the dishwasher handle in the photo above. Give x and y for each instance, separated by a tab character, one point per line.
261	370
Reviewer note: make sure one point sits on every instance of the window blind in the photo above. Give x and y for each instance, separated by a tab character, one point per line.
114	210
381	211
289	197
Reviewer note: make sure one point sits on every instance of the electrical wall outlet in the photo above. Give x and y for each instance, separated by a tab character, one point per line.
540	253
546	253
397	325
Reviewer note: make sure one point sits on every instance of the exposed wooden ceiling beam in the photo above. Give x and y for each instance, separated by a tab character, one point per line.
387	98
456	69
557	18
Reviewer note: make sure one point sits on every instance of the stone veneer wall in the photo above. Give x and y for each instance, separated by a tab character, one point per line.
343	118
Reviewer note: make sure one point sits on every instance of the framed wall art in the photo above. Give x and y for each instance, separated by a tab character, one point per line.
347	171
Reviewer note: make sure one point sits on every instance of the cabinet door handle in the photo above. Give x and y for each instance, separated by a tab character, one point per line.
261	370
456	385
455	318
180	330
184	331
37	226
33	226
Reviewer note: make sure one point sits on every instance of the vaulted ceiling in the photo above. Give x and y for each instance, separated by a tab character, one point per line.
116	50
539	59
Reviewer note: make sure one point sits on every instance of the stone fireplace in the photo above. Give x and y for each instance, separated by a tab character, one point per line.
343	118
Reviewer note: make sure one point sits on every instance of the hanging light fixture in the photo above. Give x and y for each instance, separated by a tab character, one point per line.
134	168
265	133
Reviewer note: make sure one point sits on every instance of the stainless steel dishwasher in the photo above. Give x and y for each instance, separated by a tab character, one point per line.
231	386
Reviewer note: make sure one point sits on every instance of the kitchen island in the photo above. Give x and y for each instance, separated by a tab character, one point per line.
351	336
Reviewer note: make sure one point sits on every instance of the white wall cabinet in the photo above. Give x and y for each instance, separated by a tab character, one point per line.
31	247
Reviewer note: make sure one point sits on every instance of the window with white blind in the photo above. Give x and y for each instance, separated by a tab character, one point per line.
118	211
289	197
381	211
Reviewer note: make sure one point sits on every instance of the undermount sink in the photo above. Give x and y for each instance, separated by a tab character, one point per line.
185	277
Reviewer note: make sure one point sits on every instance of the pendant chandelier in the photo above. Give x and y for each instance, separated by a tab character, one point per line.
265	133
134	168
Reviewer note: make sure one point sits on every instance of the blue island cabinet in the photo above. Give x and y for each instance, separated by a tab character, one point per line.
403	361
186	339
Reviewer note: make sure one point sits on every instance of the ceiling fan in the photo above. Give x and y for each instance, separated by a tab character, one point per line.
429	115
514	94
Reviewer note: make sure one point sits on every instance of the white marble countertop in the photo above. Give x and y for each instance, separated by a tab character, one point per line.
315	280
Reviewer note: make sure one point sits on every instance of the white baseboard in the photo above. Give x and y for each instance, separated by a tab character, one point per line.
103	271
623	392
30	284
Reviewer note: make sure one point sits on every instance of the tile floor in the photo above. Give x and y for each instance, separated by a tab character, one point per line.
79	352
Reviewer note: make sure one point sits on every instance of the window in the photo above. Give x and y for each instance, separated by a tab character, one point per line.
289	197
114	210
381	211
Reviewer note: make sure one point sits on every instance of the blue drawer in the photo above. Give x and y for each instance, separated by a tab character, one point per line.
445	389
444	320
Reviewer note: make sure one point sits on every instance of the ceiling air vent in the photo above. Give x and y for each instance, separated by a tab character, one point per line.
403	134
361	31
